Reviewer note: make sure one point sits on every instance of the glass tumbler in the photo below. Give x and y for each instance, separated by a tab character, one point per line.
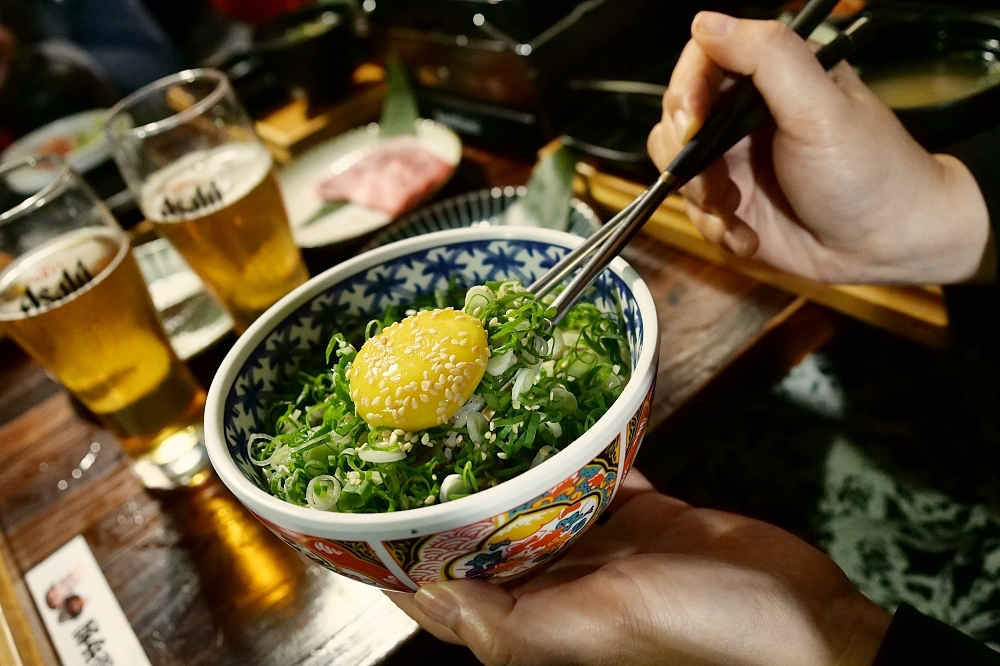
72	296
188	151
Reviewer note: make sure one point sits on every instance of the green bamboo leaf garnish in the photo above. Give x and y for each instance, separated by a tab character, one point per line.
399	111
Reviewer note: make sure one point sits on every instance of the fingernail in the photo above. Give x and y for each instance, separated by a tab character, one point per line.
712	227
739	240
437	603
714	24
682	123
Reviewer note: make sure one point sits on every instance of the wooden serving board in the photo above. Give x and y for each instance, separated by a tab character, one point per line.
914	312
291	129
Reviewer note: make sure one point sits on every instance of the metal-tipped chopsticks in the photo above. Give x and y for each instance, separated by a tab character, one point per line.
742	112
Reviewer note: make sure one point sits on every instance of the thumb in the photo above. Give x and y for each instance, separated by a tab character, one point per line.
476	612
785	70
553	626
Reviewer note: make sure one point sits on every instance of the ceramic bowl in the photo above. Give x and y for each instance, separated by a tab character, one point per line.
497	533
479	208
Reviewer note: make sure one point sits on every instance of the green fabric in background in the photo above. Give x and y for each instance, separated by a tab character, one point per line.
885	454
915	546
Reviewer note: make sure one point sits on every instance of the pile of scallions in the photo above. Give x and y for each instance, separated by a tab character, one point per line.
542	390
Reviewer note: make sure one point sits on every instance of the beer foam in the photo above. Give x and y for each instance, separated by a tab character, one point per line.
204	181
60	271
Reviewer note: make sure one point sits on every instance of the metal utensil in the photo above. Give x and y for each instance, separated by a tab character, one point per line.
743	111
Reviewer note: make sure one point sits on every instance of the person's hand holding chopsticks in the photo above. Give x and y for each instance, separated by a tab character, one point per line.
836	189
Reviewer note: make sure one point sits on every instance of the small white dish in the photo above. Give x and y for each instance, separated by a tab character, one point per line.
301	177
84	133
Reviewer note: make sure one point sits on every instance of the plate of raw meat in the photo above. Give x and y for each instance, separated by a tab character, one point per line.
360	181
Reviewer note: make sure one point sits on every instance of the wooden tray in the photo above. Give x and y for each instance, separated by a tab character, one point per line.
914	312
291	129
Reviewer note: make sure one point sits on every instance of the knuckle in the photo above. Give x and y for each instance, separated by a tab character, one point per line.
776	33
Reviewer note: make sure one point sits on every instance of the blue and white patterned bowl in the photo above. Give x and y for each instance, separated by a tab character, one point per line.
480	208
499	532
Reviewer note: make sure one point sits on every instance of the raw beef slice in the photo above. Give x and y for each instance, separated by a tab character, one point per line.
392	176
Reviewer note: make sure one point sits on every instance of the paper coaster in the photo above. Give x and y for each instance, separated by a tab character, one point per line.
81	613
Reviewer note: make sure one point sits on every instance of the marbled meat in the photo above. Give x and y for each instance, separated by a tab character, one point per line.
392	176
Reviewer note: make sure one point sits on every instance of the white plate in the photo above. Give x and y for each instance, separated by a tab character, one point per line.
83	159
300	178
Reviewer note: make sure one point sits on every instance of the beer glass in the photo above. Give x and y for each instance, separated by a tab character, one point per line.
189	154
72	296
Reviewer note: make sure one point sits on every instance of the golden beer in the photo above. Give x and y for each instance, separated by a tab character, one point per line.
80	307
222	209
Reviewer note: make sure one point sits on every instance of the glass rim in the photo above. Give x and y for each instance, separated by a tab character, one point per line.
222	87
64	178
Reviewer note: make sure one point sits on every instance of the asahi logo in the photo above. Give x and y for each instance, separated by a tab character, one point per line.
205	196
71	281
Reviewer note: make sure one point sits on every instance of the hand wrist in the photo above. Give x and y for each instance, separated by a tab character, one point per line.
865	625
948	239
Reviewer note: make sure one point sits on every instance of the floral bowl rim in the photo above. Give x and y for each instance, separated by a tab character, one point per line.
438	517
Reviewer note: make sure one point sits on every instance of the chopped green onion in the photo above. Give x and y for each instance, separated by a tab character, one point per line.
542	390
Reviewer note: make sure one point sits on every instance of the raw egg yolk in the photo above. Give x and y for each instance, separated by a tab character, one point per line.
417	372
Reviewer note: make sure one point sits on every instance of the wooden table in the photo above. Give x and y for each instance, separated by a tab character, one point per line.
202	582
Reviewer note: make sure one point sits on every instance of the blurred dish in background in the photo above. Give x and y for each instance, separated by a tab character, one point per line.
318	223
939	71
312	51
391	176
483	208
615	131
931	80
79	139
192	319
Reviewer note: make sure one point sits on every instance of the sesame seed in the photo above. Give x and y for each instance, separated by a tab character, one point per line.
376	400
425	439
501	455
424	398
